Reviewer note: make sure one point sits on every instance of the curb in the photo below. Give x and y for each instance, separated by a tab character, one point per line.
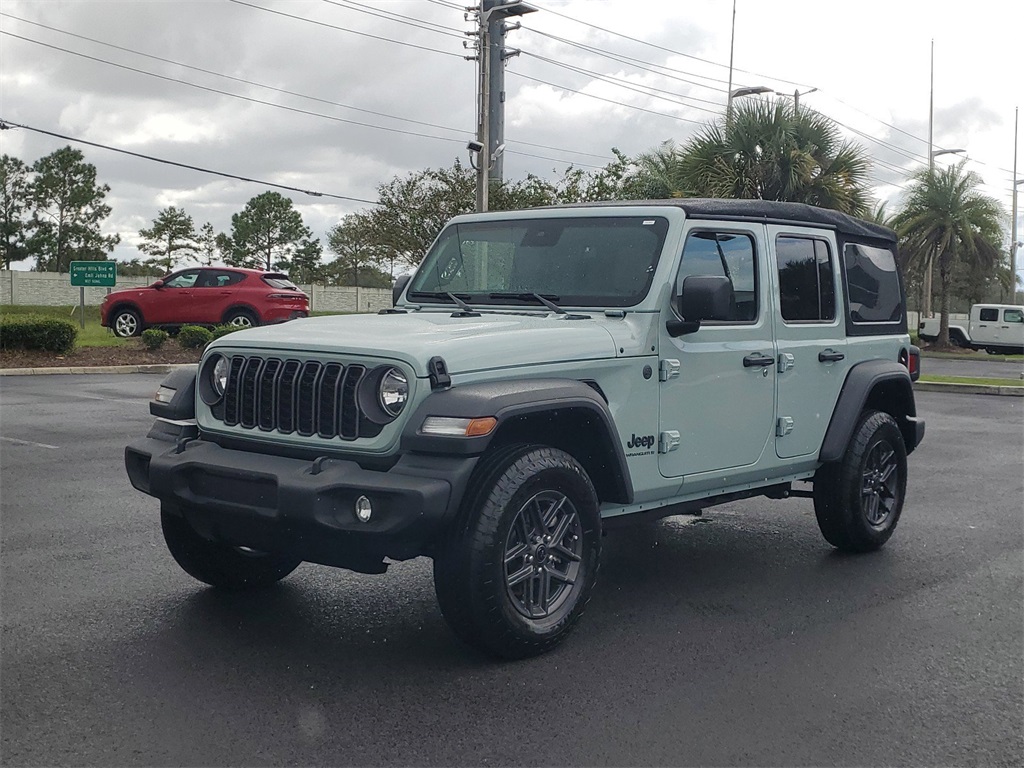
148	368
968	389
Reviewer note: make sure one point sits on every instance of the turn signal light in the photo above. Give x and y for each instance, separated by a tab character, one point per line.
449	426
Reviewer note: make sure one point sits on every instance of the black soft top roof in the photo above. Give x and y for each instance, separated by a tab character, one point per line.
767	211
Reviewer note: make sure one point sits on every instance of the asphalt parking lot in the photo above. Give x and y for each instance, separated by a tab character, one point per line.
738	639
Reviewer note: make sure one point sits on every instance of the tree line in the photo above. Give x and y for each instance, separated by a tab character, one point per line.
766	149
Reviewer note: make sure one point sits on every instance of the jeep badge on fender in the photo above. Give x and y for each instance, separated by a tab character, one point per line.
494	422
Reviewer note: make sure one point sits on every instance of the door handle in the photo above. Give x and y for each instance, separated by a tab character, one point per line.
830	356
757	360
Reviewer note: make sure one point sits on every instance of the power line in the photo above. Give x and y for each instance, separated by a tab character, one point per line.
269	87
389	16
648	66
346	29
602	98
229	93
646	90
6	124
663	48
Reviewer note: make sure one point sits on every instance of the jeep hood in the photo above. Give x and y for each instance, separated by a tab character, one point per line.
466	343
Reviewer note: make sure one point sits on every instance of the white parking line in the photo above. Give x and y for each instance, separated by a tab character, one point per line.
16	441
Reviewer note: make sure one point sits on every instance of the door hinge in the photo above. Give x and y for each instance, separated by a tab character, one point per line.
786	361
668	441
783	426
668	369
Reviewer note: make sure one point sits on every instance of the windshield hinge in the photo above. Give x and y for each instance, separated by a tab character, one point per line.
437	370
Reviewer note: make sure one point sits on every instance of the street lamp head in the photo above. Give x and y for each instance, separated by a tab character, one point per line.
751	91
937	152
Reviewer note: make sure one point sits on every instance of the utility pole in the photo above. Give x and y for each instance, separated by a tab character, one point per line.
491	55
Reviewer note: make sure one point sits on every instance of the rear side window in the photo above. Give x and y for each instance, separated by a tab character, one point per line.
807	289
988	315
873	284
724	254
280	281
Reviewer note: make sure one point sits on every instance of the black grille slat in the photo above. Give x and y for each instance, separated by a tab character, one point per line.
231	392
348	424
287	392
291	396
327	400
247	400
308	378
267	394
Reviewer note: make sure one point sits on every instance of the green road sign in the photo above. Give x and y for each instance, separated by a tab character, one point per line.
101	273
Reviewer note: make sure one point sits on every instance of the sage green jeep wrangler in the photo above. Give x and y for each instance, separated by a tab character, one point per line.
544	374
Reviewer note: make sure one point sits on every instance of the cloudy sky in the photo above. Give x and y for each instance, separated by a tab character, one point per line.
338	96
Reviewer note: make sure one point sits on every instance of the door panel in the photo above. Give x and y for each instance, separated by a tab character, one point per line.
811	338
172	302
721	402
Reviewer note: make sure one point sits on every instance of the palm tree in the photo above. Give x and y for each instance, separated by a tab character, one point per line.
767	150
946	220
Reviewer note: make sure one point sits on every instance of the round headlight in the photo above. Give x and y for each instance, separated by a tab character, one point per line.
219	375
393	391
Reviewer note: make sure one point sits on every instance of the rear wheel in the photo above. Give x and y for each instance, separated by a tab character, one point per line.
221	565
858	500
517	572
126	323
241	318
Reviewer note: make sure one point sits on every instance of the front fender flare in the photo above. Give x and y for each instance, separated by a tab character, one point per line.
514	400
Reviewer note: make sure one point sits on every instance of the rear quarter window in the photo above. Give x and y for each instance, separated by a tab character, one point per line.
873	289
280	281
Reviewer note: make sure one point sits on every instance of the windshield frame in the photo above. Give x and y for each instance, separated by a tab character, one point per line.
528	240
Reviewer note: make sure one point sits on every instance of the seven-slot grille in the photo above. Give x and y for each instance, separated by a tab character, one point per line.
308	398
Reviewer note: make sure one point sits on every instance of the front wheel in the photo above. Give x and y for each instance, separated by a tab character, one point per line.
221	565
518	569
126	323
858	500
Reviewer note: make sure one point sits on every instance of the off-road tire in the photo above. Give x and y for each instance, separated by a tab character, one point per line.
241	318
858	500
126	323
471	571
221	565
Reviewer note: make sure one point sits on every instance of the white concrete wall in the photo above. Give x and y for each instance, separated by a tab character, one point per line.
52	289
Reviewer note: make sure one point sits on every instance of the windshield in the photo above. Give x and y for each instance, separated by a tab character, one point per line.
581	261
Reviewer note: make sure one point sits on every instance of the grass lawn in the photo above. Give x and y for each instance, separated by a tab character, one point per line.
969	380
93	335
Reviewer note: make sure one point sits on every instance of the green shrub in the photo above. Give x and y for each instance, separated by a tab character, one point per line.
224	330
154	338
194	337
49	334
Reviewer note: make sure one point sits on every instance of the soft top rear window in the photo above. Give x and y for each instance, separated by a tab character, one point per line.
279	281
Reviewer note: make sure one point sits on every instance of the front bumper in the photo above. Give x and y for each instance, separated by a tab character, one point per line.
300	507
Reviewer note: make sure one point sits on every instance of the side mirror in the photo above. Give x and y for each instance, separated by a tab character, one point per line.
396	292
703	297
157	284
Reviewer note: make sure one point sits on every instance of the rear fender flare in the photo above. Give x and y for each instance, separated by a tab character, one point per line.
880	385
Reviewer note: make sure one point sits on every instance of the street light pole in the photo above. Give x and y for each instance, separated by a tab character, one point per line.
1013	216
732	43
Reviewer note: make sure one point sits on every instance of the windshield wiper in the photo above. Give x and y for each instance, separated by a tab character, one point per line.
455	298
548	301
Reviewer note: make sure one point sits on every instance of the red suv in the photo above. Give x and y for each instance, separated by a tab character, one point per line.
205	296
